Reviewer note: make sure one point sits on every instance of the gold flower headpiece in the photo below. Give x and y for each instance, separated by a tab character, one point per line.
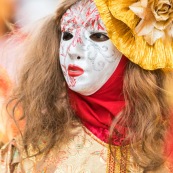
141	29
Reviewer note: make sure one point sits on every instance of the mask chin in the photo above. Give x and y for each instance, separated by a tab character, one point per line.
92	82
86	91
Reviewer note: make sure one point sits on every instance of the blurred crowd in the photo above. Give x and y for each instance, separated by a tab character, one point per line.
14	15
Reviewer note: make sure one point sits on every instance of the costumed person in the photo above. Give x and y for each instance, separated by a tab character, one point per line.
92	90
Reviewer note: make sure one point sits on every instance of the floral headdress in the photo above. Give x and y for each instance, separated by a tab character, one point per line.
141	29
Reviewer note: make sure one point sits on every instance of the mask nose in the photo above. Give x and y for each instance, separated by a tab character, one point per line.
77	46
75	55
75	51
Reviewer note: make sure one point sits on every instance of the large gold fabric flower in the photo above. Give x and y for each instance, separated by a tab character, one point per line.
137	29
156	19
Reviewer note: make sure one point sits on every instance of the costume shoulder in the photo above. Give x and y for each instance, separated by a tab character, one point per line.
9	157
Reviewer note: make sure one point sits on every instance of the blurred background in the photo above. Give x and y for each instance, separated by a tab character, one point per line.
23	12
29	11
14	15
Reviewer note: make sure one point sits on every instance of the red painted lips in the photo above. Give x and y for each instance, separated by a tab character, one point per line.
74	71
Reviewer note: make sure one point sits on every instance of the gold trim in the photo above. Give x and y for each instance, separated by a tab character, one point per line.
117	160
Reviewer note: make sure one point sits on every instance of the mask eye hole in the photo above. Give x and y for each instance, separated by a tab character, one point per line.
99	37
67	36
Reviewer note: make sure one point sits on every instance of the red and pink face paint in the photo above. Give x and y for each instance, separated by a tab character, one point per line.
87	56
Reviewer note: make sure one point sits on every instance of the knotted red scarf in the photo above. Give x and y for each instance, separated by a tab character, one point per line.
98	110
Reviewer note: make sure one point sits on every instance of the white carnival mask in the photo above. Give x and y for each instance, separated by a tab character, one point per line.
88	58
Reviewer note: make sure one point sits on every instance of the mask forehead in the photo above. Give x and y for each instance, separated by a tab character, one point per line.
82	14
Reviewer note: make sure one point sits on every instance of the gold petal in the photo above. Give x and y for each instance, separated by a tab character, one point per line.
138	9
161	2
120	23
162	25
121	11
162	17
171	31
144	3
144	27
153	36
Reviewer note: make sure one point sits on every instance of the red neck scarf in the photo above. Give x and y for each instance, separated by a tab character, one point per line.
98	110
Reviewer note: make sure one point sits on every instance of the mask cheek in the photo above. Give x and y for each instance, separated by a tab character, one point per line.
64	67
63	58
63	47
